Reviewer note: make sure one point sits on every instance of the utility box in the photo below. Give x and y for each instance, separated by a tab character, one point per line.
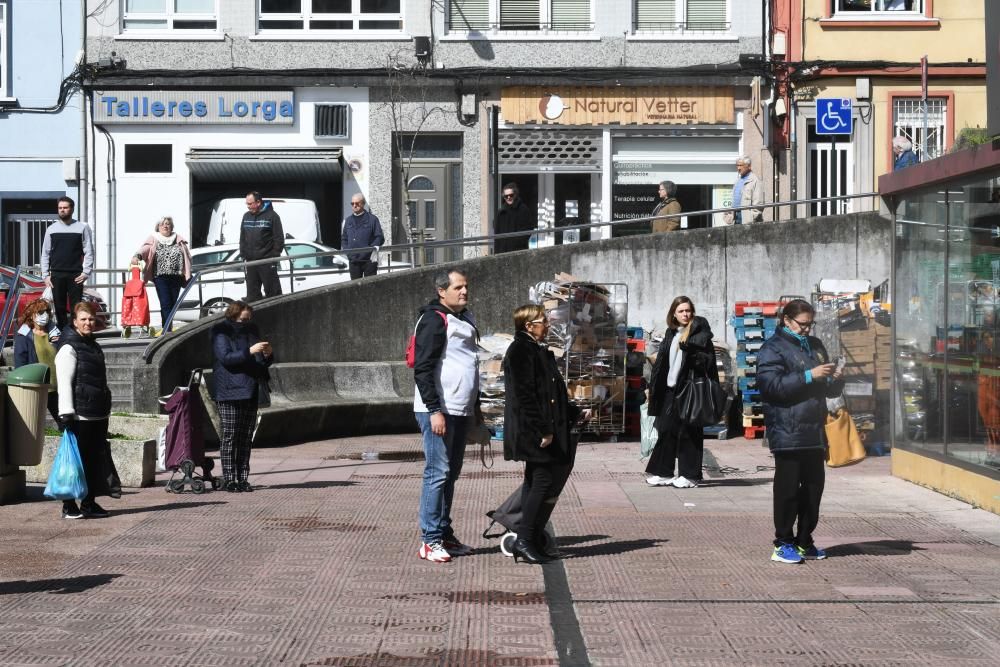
27	399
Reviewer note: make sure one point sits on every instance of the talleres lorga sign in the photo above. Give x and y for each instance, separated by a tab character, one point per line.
195	107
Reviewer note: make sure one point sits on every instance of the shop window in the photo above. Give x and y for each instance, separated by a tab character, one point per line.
520	16
3	49
877	8
169	15
333	121
680	16
908	121
148	158
331	15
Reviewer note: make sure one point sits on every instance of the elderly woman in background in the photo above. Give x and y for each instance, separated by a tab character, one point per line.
35	343
85	407
687	345
902	153
538	418
241	361
168	264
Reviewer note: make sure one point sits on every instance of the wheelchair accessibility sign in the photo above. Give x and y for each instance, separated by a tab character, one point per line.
833	116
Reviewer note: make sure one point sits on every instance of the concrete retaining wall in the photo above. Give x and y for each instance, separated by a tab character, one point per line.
370	320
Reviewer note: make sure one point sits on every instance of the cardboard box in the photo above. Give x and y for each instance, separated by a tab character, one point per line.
854	370
860	354
858	388
492	366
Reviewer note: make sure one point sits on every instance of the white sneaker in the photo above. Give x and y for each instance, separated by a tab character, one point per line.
434	552
656	480
682	482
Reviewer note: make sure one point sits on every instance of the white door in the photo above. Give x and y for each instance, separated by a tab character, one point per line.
830	171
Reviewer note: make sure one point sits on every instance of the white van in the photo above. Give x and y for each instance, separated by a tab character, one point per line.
299	219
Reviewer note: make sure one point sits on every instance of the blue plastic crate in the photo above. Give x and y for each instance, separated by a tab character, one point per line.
750	396
748	382
749	345
754	320
749	333
635	332
746	359
769	329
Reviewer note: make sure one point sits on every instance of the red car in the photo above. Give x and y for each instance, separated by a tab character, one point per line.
32	287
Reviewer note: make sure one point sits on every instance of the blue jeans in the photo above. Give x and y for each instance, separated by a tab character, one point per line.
443	464
168	288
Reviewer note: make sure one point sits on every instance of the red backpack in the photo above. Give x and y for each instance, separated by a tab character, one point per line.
411	345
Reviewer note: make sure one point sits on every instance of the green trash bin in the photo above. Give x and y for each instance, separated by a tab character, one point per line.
27	400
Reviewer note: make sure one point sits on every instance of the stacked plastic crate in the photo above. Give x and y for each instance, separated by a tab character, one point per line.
754	322
635	384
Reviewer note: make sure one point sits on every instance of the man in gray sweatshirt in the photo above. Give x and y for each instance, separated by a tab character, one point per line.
67	260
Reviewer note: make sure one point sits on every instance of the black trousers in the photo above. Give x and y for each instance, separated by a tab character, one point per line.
92	440
677	444
799	477
65	292
363	268
543	482
263	274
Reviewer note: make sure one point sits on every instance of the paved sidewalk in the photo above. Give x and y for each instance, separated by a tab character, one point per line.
319	567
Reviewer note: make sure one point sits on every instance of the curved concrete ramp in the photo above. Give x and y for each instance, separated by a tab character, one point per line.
370	320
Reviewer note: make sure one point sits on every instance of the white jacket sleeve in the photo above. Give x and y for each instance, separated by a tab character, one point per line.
65	372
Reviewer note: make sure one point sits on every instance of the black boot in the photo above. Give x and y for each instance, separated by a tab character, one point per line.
527	552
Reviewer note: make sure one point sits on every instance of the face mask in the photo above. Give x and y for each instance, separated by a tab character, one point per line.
42	319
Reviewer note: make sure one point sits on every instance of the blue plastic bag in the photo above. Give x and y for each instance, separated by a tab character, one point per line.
66	479
647	431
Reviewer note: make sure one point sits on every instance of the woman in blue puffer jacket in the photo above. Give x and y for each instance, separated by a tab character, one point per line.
241	361
796	377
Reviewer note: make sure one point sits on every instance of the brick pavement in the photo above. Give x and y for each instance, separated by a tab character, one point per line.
319	567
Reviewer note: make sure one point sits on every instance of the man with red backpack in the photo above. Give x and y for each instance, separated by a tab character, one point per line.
446	374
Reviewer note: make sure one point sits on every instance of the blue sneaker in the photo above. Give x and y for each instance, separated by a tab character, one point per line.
811	553
786	553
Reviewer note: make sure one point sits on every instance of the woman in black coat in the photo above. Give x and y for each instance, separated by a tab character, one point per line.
241	361
686	346
796	377
538	418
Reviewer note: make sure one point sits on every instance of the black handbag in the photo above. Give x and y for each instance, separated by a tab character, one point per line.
701	401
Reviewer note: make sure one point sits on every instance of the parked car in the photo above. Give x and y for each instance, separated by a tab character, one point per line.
33	287
219	289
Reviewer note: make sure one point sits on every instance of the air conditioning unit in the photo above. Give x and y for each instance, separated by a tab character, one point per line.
333	121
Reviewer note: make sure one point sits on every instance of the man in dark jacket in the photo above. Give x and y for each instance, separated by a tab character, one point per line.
513	216
67	259
261	237
361	229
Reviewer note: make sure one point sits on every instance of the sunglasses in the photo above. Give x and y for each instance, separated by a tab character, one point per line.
508	195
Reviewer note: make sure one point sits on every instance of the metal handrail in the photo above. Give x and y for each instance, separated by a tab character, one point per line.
485	239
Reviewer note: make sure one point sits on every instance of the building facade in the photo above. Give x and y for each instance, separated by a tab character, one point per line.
41	122
869	58
426	108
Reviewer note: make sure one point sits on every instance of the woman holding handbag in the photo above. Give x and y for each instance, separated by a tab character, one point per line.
796	377
241	361
686	352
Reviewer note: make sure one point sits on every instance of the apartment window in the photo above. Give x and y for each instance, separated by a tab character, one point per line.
148	158
908	121
3	49
680	16
866	8
331	15
163	15
529	16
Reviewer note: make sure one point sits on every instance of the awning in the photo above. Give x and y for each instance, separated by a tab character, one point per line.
264	164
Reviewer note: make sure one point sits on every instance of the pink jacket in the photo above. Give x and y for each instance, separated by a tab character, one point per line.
148	254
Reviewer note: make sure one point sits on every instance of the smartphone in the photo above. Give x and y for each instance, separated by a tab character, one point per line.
841	362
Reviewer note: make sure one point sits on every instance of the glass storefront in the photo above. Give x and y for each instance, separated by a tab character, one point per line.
947	317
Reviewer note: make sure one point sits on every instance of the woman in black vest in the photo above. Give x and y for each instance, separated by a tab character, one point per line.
84	407
538	419
686	346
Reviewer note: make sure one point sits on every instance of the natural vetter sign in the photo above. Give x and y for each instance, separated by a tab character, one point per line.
664	105
195	107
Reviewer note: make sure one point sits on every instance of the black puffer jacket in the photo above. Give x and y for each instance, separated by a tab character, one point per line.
536	404
699	355
261	235
794	410
91	396
514	218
